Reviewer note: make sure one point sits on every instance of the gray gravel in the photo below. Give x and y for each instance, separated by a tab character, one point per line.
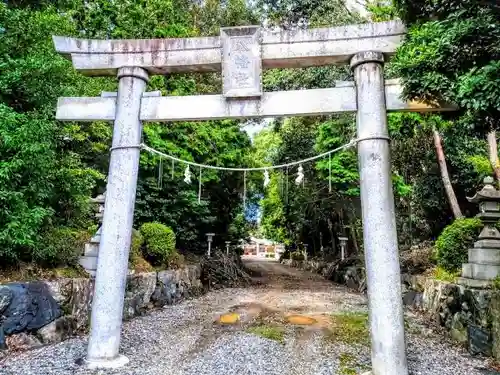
186	340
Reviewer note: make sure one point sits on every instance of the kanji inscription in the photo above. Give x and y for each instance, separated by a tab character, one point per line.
241	63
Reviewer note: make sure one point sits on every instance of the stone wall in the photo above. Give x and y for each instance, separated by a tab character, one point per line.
471	316
67	303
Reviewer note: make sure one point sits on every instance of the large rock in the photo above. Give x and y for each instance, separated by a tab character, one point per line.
32	307
458	328
175	285
479	340
61	290
140	288
80	303
5	298
58	330
165	288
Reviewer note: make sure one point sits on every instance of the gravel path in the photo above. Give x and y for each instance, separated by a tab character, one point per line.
187	339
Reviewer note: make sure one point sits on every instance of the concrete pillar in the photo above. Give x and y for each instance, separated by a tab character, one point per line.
379	221
112	265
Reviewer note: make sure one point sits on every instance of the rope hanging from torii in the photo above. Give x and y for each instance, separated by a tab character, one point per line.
298	180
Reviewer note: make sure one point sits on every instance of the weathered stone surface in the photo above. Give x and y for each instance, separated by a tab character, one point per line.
495	323
5	298
61	290
174	285
479	340
138	293
80	303
287	49
458	329
271	104
22	341
241	61
58	330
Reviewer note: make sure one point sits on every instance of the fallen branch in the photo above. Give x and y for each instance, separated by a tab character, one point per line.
220	271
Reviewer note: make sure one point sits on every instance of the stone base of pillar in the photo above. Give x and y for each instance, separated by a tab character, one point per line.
117	362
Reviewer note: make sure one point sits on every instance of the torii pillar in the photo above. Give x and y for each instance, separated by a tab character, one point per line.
112	265
379	219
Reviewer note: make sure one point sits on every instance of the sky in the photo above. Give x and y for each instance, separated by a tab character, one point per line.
254	127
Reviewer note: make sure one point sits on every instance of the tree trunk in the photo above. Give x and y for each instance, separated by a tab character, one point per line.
450	193
332	236
493	152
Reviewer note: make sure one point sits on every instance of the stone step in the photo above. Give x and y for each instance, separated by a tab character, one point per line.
484	256
480	271
91	250
495	244
88	262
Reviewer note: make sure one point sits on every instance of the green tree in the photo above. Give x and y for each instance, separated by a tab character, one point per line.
452	54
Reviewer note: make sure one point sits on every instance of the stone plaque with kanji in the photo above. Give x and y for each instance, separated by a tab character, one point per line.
241	62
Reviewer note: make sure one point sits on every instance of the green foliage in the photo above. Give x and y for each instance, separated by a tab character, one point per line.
61	246
451	54
495	284
136	243
159	242
451	246
49	169
136	258
444	275
349	328
271	332
381	10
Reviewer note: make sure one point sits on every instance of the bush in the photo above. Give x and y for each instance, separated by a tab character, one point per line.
453	242
136	244
136	260
61	247
159	243
443	275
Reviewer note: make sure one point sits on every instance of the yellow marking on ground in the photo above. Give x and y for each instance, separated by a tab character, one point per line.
231	318
300	320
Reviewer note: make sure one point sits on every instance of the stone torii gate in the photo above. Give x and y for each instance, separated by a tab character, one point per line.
241	53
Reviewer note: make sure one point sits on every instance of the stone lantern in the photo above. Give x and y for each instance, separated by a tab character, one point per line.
89	258
484	257
210	237
343	247
228	243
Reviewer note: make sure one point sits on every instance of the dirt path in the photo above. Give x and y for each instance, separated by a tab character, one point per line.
264	338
